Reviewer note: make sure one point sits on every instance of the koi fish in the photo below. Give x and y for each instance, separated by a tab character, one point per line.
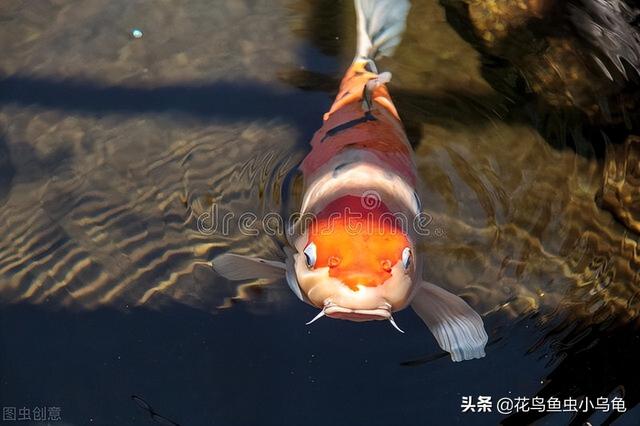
352	259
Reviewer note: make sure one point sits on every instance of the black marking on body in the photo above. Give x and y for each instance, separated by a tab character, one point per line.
340	167
368	116
418	202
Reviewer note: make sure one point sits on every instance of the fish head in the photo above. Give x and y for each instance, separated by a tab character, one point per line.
355	261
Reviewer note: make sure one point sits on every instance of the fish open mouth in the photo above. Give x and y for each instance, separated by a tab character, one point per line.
359	315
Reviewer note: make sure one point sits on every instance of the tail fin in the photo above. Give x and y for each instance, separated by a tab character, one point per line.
380	26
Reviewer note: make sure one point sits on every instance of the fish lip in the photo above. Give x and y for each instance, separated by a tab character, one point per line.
358	315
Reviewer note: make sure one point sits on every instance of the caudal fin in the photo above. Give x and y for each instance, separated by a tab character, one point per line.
380	26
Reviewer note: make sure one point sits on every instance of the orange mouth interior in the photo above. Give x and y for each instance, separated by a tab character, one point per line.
359	239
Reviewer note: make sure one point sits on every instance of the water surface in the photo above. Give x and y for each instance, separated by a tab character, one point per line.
111	148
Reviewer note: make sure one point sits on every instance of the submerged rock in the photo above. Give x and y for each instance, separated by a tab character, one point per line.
495	20
578	54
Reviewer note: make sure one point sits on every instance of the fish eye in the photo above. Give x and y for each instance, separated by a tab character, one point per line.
310	255
406	257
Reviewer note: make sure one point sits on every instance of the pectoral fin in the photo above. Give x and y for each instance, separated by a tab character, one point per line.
238	267
458	329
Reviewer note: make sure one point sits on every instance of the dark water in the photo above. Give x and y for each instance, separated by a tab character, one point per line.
111	148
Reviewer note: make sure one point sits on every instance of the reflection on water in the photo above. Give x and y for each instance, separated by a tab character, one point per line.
621	181
112	147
